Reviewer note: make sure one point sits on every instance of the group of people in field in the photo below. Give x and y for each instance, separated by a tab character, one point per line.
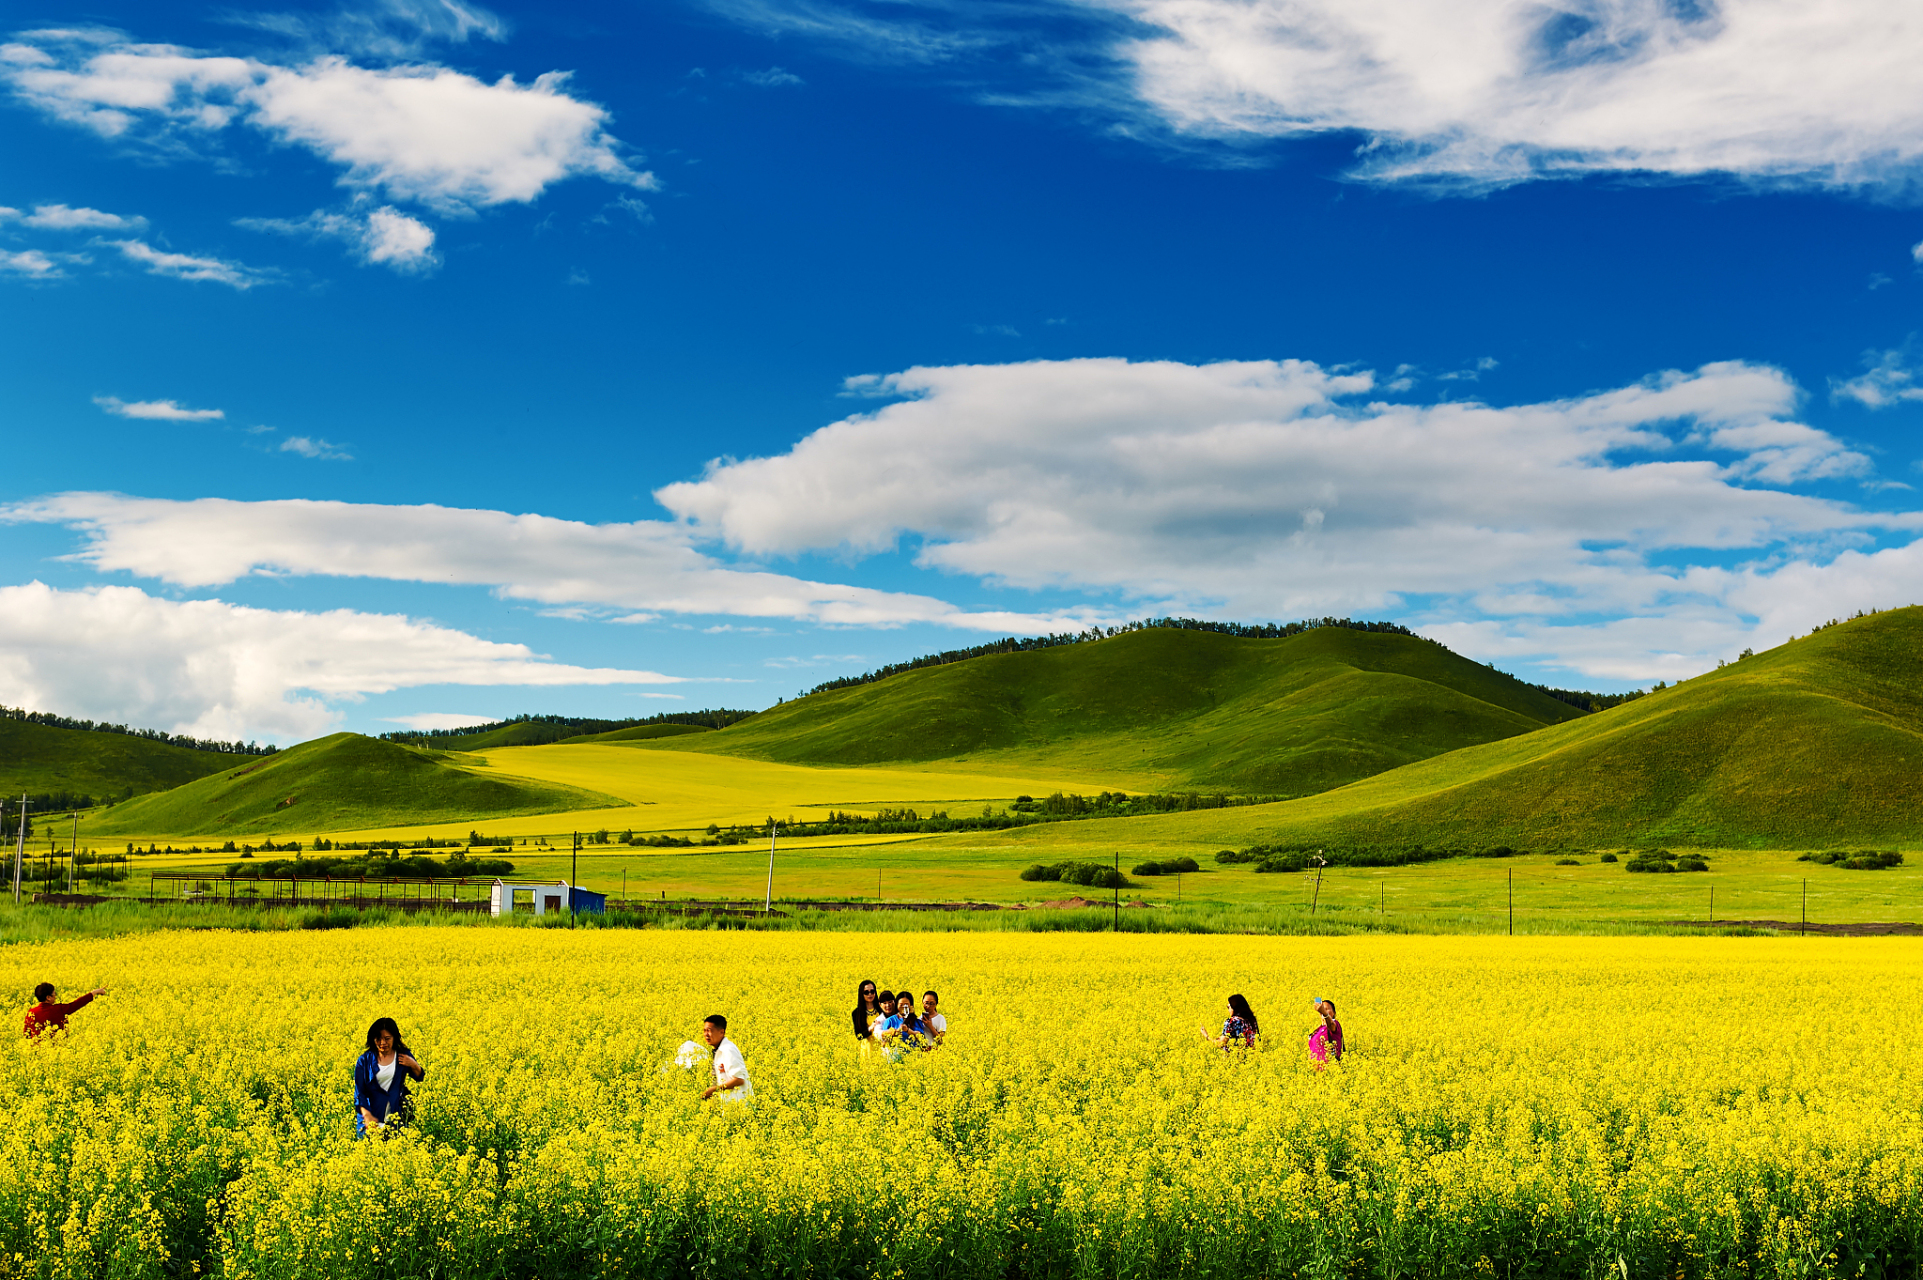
1241	1029
894	1024
886	1023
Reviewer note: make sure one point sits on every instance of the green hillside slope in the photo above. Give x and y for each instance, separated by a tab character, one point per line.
39	759
1817	743
342	782
1274	717
642	733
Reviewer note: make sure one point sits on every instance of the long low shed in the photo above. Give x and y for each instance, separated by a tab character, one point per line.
540	897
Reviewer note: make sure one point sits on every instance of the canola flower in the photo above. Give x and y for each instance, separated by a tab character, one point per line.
1555	1107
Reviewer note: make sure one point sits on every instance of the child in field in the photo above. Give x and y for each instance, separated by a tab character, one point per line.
1325	1042
1240	1027
48	1012
380	1081
730	1068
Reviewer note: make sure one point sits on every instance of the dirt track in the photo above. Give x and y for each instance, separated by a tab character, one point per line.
1871	930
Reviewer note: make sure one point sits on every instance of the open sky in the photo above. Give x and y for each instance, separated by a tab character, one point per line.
410	362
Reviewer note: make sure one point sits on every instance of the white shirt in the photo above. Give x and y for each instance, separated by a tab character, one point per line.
729	1065
384	1074
936	1023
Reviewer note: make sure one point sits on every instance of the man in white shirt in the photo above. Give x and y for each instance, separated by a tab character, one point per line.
937	1024
730	1069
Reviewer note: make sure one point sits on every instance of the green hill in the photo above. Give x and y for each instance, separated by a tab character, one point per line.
1203	710
642	733
1817	743
41	759
343	782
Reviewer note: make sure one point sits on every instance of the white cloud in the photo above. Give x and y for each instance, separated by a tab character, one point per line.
646	566
30	263
308	447
1277	490
181	266
417	132
390	29
218	670
157	410
772	78
1493	91
440	720
1916	252
1888	379
58	217
383	236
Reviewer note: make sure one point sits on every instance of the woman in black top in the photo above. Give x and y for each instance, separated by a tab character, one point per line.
866	1010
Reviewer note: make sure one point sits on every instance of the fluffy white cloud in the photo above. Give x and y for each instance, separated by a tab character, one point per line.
1492	91
159	410
31	263
308	447
384	236
1277	490
417	132
646	565
1888	379
182	266
218	670
58	217
440	720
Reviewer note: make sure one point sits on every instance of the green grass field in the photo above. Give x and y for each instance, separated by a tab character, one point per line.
1185	709
39	758
340	782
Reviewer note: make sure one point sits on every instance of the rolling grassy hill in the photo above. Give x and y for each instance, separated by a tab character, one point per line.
1815	744
343	782
39	758
1202	710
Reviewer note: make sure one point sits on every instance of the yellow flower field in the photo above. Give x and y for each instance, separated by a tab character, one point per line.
1558	1107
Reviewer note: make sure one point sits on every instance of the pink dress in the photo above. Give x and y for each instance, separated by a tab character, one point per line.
1326	1042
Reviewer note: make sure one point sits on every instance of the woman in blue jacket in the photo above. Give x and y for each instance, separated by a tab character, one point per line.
380	1080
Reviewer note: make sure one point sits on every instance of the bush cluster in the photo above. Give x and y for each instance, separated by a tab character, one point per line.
1096	875
1862	860
1166	867
1301	857
1663	862
376	865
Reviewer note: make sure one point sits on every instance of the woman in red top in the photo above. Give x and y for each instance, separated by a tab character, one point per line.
48	1013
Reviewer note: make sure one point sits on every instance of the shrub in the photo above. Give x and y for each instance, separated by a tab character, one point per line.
1167	867
1146	869
1229	857
1691	864
1609	857
1569	862
1290	860
1092	874
1036	871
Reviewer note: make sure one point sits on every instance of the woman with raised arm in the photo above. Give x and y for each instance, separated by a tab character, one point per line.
1325	1042
381	1074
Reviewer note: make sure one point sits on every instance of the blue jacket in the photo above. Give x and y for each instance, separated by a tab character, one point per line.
368	1092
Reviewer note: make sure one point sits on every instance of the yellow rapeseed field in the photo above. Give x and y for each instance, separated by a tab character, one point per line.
1554	1107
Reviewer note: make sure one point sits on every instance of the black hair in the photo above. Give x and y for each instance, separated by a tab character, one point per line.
44	991
1240	1004
720	1022
886	997
1331	1005
387	1025
935	994
860	1016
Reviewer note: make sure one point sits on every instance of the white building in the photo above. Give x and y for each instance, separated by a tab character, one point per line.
506	898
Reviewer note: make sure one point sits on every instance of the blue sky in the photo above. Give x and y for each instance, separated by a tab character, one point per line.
412	362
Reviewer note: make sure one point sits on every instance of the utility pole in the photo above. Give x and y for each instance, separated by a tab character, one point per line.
1804	929
20	847
1512	902
574	870
1712	904
1116	925
768	904
73	854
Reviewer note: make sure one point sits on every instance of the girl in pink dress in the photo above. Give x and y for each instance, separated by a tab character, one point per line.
1325	1042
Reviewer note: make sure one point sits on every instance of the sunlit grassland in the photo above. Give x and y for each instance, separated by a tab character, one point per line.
682	792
